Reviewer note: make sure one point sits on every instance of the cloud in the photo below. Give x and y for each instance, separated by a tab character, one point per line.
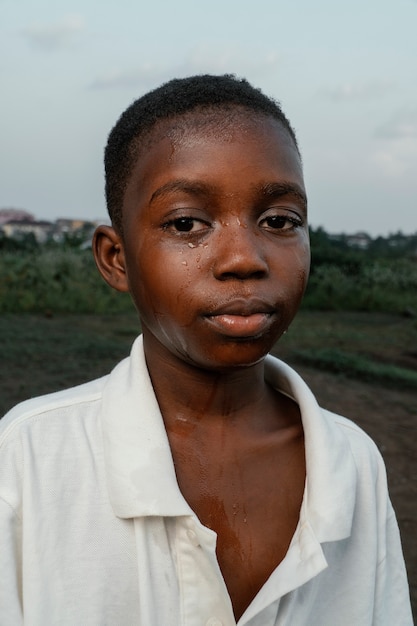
142	77
395	151
390	165
55	35
358	91
199	60
402	126
204	58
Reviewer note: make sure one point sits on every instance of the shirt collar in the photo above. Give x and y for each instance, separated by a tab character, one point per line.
329	497
140	470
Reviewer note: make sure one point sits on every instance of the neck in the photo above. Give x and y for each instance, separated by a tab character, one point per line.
191	394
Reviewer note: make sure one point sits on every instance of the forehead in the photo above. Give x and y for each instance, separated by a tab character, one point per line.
221	123
228	155
244	157
202	133
249	158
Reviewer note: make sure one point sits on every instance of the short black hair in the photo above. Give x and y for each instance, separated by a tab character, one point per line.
172	99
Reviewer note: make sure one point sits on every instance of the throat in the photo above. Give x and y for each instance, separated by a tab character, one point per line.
188	393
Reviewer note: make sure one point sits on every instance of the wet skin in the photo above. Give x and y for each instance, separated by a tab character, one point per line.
215	255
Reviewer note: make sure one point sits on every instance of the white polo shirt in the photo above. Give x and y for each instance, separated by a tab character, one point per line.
95	532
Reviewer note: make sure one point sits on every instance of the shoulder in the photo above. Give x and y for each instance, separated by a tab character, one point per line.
42	435
352	431
51	406
330	438
362	447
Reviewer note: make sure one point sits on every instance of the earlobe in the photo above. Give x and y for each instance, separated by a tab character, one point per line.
109	257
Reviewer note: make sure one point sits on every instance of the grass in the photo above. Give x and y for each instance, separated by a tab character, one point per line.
43	354
46	353
357	366
371	347
378	336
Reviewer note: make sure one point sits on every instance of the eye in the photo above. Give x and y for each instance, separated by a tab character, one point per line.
185	225
279	220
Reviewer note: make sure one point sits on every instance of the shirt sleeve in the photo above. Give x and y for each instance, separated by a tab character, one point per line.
392	599
10	566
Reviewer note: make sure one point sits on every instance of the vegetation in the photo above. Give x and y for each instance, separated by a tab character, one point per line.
381	277
57	278
52	279
358	366
375	348
41	354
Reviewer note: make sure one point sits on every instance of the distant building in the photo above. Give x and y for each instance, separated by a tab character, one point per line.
18	224
18	229
68	227
10	214
359	240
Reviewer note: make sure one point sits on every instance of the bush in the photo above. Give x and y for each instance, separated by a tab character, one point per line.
382	286
52	280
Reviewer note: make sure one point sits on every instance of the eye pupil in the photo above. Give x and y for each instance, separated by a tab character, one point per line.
276	221
184	224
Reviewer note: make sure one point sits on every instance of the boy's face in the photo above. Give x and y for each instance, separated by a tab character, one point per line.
215	244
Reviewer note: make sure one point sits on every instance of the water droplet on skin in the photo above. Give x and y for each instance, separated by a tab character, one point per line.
184	263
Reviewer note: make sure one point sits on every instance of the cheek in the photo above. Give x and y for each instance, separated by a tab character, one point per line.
298	264
161	284
302	259
304	271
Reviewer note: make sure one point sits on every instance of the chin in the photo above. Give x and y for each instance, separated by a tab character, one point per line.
235	355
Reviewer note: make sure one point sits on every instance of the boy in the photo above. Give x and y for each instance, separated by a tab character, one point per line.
199	483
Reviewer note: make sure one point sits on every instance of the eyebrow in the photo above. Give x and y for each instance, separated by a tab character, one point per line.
268	190
187	186
277	190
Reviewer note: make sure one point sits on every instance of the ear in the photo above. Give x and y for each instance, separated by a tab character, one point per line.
110	258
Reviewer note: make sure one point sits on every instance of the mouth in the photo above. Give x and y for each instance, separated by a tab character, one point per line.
241	319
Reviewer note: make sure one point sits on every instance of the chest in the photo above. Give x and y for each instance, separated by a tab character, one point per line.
251	498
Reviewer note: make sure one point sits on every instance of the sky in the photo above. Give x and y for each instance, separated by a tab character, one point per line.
344	72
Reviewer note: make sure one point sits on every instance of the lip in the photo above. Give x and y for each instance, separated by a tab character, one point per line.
242	307
241	318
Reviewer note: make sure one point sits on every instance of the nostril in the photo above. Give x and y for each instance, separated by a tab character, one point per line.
241	275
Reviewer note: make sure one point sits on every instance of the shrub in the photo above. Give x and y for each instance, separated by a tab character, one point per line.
55	280
383	286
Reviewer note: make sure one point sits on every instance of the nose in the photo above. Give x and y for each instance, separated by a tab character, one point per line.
240	253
